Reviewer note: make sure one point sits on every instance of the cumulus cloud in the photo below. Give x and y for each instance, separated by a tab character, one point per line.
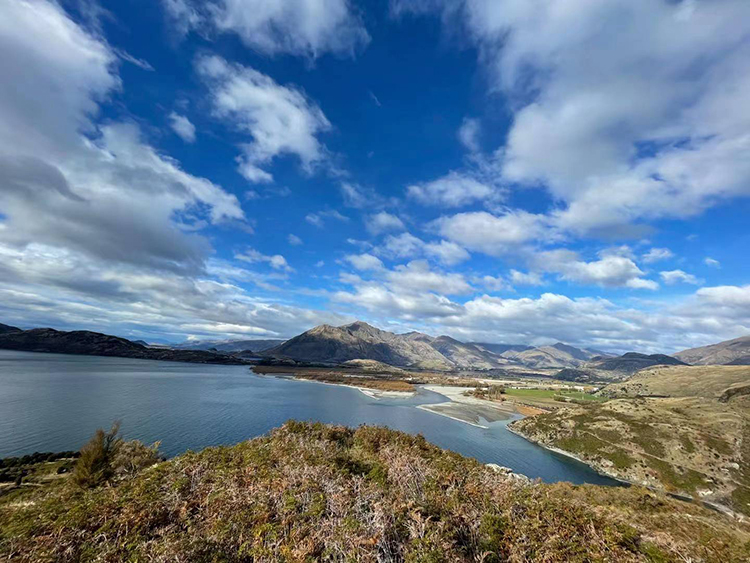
59	187
182	126
492	234
611	270
280	120
293	239
382	222
307	28
672	277
453	190
581	126
364	261
525	278
657	254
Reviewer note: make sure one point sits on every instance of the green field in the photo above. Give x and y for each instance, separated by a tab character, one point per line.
551	394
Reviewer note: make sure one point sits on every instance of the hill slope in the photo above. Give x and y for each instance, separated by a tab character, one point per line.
97	344
231	345
726	352
359	340
7	328
684	429
681	381
311	492
416	350
632	362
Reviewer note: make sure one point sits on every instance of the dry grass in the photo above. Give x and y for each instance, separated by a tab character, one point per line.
681	381
310	492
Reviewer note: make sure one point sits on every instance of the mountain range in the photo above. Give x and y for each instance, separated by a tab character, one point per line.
360	340
90	343
730	352
326	344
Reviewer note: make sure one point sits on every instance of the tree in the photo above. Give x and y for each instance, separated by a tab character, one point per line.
95	466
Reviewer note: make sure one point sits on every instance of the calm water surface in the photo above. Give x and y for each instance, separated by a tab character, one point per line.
52	402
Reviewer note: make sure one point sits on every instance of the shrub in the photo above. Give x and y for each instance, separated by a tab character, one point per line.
133	456
95	466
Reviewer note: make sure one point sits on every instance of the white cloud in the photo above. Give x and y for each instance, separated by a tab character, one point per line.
468	134
453	190
182	126
491	283
672	277
611	270
446	252
59	186
318	219
301	27
364	262
581	125
306	28
416	276
280	120
382	222
525	278
404	245
711	262
276	261
657	254
360	197
492	234
294	240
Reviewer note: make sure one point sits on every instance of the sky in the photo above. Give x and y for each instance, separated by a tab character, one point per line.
496	170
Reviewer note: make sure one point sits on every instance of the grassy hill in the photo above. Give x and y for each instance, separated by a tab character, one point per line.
309	492
681	381
682	429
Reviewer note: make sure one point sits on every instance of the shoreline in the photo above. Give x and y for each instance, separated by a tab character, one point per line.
625	483
472	409
372	393
428	409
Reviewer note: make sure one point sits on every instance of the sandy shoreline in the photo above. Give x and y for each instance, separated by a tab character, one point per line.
373	393
466	409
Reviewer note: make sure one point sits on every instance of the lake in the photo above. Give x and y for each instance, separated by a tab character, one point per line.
52	402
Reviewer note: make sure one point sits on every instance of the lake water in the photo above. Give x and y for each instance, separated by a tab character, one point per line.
52	402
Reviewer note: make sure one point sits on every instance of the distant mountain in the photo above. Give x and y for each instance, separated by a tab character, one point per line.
632	362
736	352
230	345
8	328
329	344
96	344
555	356
359	340
466	356
500	348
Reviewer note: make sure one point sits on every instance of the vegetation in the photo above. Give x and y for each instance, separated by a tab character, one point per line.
313	492
344	376
691	446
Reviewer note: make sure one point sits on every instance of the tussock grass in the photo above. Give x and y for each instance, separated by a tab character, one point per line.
309	492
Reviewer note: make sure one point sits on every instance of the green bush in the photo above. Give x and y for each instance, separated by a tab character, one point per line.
95	466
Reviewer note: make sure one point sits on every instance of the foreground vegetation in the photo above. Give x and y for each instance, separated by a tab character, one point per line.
312	492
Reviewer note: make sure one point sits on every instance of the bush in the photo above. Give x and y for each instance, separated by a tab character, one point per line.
133	456
95	466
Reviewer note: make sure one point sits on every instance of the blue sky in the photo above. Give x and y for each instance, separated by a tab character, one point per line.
496	170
